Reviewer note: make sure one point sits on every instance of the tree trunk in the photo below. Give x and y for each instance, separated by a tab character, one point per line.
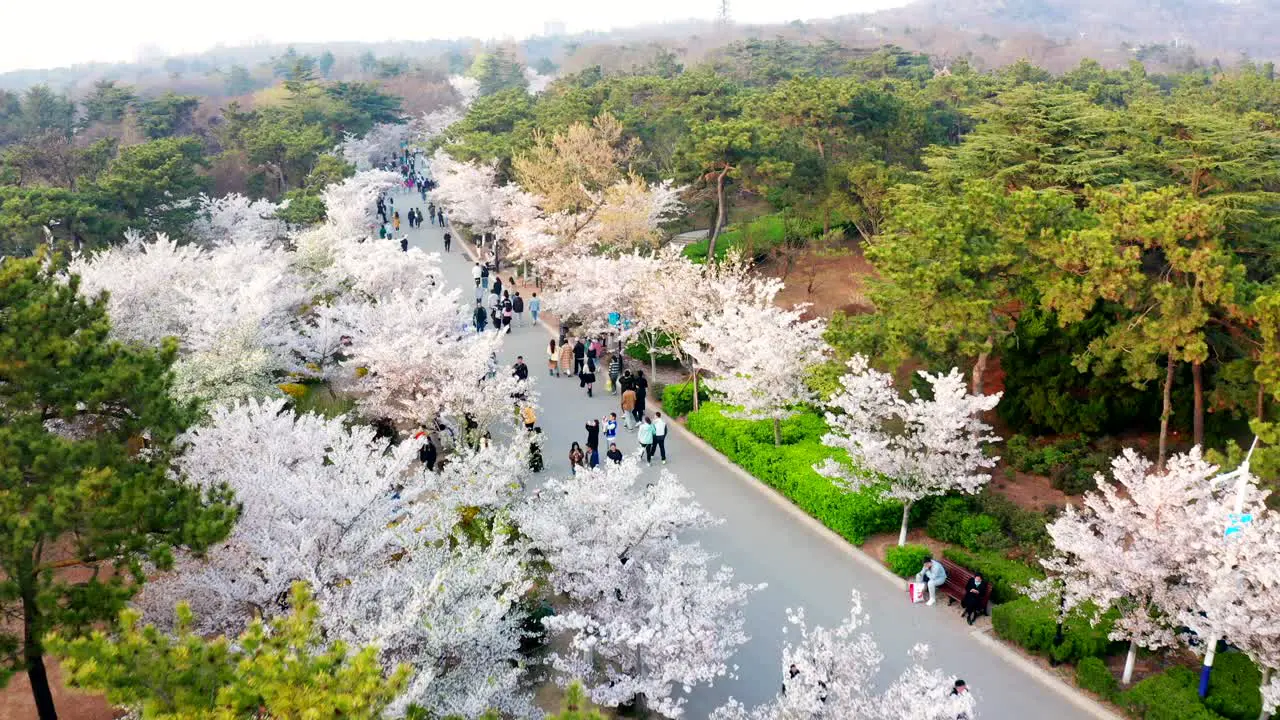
1266	678
653	364
695	387
1165	413
1197	415
1127	676
1261	410
720	216
33	654
777	432
980	369
902	534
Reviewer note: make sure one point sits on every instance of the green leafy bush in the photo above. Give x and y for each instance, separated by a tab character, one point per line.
1025	527
906	560
1093	674
1034	625
1006	576
640	351
755	239
1070	464
1170	695
982	532
946	519
677	398
1233	687
789	469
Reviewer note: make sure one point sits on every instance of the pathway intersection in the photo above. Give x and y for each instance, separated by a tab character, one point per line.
766	540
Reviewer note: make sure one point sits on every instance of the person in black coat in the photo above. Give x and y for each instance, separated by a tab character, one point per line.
579	356
975	598
641	386
427	453
521	370
593	443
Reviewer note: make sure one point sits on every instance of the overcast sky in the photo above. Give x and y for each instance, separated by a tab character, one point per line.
39	35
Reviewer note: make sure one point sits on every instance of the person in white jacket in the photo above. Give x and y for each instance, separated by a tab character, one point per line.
933	575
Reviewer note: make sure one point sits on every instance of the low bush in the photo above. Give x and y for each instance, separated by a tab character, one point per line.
755	239
677	398
906	560
1170	695
1026	528
946	519
1070	464
789	469
1093	674
640	351
982	532
1006	576
1033	625
1233	687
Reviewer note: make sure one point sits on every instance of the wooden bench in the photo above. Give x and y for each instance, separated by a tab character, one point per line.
957	578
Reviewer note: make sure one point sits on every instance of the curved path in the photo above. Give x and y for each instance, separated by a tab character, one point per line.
766	539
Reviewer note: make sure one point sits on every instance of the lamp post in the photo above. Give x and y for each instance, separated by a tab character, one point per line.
1236	522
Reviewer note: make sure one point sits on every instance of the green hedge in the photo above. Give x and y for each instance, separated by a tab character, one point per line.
1093	674
1233	687
789	469
906	560
1006	576
677	398
1033	626
1170	695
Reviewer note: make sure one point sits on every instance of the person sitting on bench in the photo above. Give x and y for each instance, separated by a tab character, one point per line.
934	575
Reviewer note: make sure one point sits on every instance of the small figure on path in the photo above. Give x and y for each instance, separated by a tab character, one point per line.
431	212
579	356
479	317
588	378
517	307
566	358
529	416
520	370
508	308
395	221
404	244
448	240
611	427
615	372
535	451
484	276
628	406
593	442
644	435
575	457
614	454
477	274
553	359
427	453
641	386
660	435
934	575
535	307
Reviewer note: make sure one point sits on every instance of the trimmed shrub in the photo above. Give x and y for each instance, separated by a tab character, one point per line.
946	519
1170	695
677	398
982	532
789	469
1093	674
1233	687
906	560
1034	626
640	352
1006	576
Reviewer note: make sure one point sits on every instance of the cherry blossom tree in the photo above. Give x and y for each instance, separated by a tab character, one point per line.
759	354
235	219
640	600
468	88
832	673
466	190
322	500
917	448
381	142
351	205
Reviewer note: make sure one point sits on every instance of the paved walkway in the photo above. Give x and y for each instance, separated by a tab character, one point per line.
765	539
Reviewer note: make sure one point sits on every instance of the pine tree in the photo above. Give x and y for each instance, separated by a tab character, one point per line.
86	436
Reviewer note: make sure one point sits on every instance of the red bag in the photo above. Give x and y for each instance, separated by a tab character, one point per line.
915	592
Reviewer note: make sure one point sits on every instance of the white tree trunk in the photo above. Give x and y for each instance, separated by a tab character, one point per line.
1129	660
902	534
1266	678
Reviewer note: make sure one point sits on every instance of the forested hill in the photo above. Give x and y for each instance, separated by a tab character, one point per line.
1221	29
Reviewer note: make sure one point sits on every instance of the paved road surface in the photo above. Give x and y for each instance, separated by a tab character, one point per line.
765	541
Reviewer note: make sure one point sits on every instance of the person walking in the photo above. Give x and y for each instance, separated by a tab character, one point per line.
496	317
382	231
615	372
628	407
427	453
484	275
593	442
566	358
476	274
575	457
579	356
644	435
660	435
431	212
517	306
588	377
535	307
641	386
497	286
553	359
479	317
395	221
404	243
529	416
614	454
448	240
508	309
520	370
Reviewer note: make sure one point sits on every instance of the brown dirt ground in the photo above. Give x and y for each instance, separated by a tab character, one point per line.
16	702
826	283
1029	492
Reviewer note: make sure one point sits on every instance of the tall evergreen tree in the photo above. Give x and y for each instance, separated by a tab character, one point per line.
87	433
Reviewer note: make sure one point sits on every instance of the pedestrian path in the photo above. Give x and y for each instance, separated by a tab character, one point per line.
766	540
